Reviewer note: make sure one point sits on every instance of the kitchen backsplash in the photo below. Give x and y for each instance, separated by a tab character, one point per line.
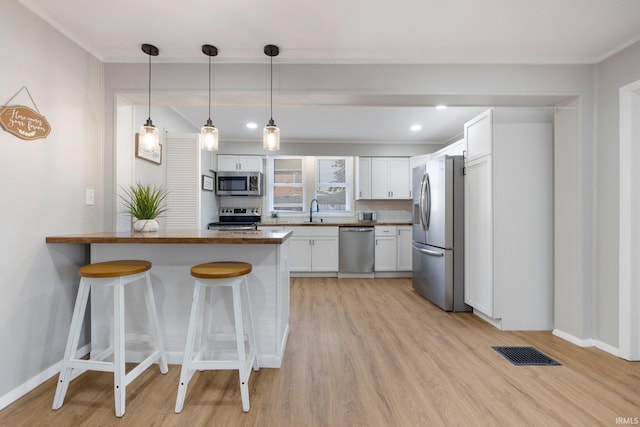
386	210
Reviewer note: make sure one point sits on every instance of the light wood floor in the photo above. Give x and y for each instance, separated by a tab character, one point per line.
368	353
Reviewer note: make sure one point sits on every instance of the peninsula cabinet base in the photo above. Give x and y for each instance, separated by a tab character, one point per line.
173	290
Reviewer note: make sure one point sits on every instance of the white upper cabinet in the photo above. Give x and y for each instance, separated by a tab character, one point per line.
383	178
399	186
239	163
478	134
363	178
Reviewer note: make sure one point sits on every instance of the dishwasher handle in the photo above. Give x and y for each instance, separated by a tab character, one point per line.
356	229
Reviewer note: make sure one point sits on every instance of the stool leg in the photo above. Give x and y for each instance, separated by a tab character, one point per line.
242	358
250	326
72	342
207	298
154	325
186	372
119	383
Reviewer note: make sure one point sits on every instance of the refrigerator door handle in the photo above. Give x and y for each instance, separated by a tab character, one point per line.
428	252
423	218
428	213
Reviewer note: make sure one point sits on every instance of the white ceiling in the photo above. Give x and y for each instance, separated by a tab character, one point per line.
347	31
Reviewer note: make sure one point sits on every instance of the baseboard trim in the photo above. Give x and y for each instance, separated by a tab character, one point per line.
37	380
607	347
393	274
587	342
496	323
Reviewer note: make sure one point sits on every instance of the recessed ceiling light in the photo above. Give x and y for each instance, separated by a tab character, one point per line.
416	128
252	125
441	107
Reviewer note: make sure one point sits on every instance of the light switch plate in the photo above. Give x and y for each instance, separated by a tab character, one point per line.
90	197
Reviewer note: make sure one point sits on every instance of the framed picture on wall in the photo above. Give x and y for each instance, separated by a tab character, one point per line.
153	155
207	182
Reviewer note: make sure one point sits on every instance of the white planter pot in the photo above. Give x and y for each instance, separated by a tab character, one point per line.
145	225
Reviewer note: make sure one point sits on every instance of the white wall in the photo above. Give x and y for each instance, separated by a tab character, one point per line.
613	73
43	192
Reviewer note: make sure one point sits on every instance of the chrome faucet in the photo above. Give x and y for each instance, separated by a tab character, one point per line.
311	209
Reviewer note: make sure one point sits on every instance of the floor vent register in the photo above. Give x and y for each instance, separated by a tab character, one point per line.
525	356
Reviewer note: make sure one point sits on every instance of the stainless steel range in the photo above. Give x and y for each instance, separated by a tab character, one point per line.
237	219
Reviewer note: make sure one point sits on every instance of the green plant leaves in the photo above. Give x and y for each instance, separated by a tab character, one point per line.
144	201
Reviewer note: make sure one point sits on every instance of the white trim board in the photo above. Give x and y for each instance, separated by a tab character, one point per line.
628	232
587	342
37	380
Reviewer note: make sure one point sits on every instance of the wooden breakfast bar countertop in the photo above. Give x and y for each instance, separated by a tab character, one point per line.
234	237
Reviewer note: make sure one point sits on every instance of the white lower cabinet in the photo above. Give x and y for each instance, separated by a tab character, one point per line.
316	248
385	248
393	248
404	251
313	249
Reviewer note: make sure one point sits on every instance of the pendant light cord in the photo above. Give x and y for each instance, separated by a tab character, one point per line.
209	88
271	87
149	87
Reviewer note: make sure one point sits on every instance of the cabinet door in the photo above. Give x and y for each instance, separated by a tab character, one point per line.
399	181
227	163
478	135
385	257
379	178
250	163
363	178
299	254
324	254
404	249
478	285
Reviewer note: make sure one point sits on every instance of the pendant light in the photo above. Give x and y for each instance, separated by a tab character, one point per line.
149	135
208	132
271	134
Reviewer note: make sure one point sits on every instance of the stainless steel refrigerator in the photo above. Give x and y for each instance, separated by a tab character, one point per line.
438	232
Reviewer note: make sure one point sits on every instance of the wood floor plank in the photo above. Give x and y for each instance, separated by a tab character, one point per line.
365	352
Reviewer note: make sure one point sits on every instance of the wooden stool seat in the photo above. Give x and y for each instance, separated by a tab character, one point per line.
221	270
114	268
233	275
115	275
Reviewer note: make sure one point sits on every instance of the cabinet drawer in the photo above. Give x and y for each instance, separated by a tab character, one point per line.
385	230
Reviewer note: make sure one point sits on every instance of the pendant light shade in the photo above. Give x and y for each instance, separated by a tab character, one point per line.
149	135
271	133
271	137
208	132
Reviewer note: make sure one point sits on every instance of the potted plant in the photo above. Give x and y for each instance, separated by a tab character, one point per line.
144	203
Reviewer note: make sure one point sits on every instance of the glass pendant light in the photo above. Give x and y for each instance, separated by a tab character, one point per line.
271	133
208	132
149	135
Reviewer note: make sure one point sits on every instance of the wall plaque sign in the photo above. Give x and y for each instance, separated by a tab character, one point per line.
22	121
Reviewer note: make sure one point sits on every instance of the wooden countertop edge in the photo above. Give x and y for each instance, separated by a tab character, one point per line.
139	238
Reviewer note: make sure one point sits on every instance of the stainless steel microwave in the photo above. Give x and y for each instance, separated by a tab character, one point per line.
239	183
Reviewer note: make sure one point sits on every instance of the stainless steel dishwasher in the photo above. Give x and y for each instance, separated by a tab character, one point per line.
357	251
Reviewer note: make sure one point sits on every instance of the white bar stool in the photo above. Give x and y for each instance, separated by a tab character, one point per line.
115	274
212	275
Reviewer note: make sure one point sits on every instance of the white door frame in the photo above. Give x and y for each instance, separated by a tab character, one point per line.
629	217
